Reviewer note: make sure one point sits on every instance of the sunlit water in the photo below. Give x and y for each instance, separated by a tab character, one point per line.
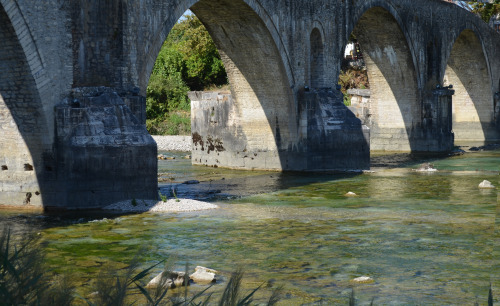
424	238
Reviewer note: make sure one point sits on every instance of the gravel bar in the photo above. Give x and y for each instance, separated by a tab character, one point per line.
173	143
172	205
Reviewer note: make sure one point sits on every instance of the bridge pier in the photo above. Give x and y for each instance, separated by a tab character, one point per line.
330	137
432	133
104	152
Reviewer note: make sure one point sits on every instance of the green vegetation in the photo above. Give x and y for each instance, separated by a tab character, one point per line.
351	78
162	197
187	61
485	10
24	280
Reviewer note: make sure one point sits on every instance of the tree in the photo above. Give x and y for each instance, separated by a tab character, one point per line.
203	64
485	9
187	61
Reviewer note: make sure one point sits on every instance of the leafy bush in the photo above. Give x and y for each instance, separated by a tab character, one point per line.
176	123
352	78
484	9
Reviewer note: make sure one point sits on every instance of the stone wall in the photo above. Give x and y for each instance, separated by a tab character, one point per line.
22	124
219	139
360	104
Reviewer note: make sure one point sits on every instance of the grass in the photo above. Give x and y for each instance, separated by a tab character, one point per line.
174	123
24	280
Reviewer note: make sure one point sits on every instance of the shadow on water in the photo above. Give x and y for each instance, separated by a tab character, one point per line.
22	221
179	178
237	187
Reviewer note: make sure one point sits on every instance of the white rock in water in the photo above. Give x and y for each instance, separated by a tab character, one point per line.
486	185
363	280
203	275
350	194
173	279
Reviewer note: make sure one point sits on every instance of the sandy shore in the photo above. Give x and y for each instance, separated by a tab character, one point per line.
172	205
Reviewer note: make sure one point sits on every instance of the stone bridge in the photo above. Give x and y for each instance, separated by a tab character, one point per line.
73	78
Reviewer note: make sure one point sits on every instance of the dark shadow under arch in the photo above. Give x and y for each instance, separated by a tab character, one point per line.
317	60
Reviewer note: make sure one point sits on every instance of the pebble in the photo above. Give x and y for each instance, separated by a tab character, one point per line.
173	143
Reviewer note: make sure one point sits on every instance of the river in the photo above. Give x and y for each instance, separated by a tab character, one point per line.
424	238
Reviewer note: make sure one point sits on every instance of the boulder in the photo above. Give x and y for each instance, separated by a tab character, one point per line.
350	194
203	275
172	280
486	185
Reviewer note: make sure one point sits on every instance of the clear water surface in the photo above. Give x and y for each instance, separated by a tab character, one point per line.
424	238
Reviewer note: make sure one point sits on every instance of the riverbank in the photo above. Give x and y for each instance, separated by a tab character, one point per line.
173	143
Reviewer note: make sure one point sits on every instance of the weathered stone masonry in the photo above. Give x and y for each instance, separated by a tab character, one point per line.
73	78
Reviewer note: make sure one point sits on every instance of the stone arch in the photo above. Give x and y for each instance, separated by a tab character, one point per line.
35	62
391	9
264	109
172	16
473	106
394	103
24	152
317	60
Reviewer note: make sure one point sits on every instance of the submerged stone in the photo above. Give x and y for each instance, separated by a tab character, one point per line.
191	182
426	167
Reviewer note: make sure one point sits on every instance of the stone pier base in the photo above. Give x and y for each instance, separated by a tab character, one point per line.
104	153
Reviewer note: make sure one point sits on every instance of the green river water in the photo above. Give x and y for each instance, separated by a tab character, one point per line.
424	238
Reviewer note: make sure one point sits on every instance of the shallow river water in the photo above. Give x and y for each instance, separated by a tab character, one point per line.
424	238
